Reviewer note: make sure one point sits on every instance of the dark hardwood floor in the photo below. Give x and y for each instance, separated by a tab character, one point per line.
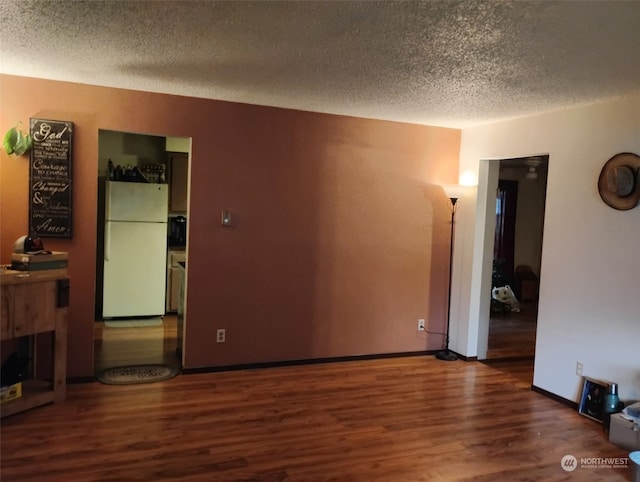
392	420
135	345
513	334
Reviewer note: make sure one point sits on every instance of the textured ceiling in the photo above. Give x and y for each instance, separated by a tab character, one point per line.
446	63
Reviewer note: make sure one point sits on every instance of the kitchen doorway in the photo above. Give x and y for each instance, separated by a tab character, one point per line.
137	162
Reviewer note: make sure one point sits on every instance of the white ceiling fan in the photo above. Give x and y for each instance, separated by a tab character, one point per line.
532	163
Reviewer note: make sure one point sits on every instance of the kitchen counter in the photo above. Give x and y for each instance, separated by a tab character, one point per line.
174	256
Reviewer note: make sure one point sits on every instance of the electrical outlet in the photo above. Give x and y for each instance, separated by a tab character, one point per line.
420	324
221	335
579	368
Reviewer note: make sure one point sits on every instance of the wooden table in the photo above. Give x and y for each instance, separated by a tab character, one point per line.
34	302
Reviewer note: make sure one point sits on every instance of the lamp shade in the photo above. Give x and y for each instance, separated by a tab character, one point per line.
454	191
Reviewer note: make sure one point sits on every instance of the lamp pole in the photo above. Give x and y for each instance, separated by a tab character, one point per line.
447	355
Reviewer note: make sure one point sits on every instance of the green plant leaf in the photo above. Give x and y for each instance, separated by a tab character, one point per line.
16	142
9	141
23	144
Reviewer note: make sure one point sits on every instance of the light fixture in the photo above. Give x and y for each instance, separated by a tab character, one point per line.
468	178
225	218
532	163
453	192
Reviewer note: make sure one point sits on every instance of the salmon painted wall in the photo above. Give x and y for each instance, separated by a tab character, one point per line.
339	237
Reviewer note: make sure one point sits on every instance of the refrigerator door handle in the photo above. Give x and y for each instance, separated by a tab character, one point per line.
107	240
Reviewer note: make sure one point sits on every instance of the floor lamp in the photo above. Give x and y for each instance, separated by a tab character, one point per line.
453	192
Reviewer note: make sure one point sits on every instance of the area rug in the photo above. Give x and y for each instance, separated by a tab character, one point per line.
136	374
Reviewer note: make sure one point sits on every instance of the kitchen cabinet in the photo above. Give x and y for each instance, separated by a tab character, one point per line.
34	303
178	182
173	278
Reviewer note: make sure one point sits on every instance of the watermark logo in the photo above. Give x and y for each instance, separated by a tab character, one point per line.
604	463
569	463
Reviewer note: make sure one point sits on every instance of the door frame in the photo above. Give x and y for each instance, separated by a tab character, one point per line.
480	292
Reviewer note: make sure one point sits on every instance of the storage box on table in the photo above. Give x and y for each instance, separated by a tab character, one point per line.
624	433
38	262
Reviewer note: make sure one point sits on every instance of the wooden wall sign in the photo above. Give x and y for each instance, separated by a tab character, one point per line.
50	178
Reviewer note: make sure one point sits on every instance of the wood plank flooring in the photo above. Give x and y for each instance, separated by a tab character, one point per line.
513	335
135	345
392	420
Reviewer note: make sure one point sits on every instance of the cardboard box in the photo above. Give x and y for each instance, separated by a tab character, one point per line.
10	392
624	433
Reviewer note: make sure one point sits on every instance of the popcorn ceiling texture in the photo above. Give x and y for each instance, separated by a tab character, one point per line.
445	63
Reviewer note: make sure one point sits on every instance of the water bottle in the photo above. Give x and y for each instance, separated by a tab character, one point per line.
611	404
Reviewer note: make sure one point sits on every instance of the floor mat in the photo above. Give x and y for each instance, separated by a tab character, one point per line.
131	375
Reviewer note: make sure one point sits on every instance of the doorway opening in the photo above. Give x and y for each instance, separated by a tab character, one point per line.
517	250
139	325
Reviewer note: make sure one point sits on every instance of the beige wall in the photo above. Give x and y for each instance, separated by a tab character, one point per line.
339	240
589	277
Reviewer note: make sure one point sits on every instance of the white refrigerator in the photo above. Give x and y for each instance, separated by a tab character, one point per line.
135	249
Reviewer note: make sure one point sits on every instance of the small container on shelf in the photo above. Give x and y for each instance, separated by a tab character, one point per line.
10	392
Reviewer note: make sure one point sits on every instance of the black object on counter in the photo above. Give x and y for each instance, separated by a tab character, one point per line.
178	231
